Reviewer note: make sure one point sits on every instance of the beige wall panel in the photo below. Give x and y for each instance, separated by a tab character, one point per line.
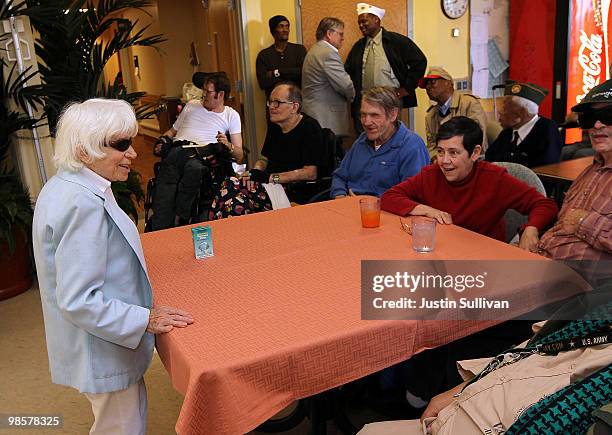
176	23
202	37
432	33
151	77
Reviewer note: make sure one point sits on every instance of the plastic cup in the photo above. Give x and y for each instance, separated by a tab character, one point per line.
370	212
423	234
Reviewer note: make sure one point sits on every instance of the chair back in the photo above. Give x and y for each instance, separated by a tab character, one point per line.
513	218
329	141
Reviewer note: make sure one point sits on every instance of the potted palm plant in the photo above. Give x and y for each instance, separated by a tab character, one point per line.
71	63
72	56
15	204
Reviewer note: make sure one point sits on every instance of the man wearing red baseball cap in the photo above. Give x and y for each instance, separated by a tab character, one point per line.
448	103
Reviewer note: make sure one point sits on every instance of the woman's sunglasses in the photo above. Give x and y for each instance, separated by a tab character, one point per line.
588	118
121	145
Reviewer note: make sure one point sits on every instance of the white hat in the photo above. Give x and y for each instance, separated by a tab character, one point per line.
364	8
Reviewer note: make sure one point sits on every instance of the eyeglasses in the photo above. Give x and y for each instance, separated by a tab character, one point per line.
120	145
339	33
273	104
405	227
588	118
206	92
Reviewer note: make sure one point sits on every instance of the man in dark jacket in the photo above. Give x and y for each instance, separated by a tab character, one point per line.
282	61
526	138
383	58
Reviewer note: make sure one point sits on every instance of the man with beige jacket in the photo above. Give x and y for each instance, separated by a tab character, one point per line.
448	103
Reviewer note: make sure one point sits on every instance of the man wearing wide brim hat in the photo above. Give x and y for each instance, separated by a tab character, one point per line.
526	138
383	58
448	103
584	228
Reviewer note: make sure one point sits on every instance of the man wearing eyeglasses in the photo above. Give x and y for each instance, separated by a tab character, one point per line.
449	103
209	119
584	228
327	87
181	175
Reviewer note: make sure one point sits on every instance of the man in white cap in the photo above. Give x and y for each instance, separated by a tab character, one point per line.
439	86
383	58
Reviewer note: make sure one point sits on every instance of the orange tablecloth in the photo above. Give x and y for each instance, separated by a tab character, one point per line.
277	309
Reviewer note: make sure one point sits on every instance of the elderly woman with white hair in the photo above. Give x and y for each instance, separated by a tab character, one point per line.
95	291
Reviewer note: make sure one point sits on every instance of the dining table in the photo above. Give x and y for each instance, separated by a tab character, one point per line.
558	177
278	307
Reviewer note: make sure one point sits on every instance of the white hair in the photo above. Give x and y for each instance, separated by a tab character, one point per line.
531	107
85	128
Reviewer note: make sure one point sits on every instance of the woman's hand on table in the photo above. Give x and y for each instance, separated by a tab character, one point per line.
439	215
164	319
529	239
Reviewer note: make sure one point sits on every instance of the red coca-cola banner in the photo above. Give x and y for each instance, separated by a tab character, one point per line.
589	59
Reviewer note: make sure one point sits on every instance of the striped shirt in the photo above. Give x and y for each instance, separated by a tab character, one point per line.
591	191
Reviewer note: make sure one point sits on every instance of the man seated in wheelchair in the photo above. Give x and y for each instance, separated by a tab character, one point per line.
196	153
294	153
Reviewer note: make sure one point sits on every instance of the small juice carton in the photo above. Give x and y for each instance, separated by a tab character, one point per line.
202	242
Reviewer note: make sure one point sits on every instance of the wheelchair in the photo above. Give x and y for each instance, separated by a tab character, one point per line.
208	165
306	192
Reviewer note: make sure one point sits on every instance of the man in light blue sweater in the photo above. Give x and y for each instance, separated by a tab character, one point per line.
383	155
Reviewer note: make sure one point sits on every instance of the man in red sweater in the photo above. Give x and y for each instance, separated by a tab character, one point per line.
473	194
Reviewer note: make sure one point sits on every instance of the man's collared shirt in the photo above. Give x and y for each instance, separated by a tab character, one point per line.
444	108
328	43
592	191
524	130
383	74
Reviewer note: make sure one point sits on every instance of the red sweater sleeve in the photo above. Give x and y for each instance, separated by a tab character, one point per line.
403	197
527	200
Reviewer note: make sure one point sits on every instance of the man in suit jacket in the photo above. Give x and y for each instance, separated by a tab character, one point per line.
94	286
326	86
390	60
526	138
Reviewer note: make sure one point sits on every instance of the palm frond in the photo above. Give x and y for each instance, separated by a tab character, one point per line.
128	192
72	57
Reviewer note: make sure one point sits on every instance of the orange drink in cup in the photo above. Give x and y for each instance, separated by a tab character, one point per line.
370	212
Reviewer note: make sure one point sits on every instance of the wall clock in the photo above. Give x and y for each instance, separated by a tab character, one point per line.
454	9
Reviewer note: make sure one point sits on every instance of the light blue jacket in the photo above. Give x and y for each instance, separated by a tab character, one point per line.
364	170
94	286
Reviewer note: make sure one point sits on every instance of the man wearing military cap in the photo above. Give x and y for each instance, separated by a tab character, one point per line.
584	228
526	138
439	86
383	58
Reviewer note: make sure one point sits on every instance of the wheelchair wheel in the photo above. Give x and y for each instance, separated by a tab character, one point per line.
285	420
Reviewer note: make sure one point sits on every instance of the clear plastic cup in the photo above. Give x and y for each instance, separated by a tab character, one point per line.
423	234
